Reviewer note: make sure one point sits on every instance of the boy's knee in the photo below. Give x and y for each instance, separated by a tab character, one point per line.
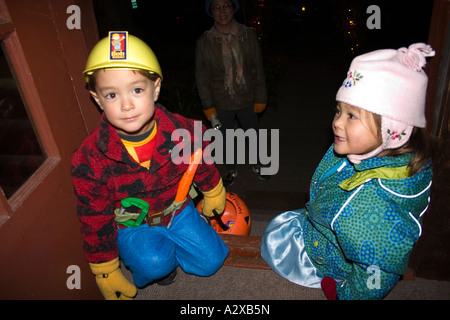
212	262
213	266
152	266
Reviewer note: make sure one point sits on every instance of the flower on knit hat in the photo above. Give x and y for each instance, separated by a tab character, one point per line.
351	80
392	135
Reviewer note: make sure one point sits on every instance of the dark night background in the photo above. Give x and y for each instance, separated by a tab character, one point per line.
172	27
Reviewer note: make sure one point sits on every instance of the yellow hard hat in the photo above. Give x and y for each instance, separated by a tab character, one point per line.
121	51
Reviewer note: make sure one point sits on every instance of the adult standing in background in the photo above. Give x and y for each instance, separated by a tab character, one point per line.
229	74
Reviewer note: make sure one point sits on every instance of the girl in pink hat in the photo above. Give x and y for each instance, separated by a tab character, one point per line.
368	194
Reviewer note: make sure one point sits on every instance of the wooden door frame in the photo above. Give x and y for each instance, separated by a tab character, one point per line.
40	236
438	70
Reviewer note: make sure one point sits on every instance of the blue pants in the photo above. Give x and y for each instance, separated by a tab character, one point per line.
152	253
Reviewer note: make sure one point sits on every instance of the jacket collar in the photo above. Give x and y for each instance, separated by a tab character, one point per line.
111	145
378	167
389	162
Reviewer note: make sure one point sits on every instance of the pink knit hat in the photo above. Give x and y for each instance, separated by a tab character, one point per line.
390	83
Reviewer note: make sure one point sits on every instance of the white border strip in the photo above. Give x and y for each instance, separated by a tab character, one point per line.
402	195
417	222
346	202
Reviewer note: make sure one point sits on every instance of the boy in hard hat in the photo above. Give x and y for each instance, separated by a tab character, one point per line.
125	179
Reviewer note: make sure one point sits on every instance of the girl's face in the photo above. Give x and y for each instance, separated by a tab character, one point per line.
355	130
222	12
128	99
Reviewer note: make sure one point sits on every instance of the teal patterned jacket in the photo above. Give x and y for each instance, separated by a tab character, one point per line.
365	220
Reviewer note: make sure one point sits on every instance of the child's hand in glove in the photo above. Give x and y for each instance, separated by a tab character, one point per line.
111	282
214	200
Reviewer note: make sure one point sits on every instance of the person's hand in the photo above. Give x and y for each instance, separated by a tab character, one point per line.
209	112
214	199
111	282
259	107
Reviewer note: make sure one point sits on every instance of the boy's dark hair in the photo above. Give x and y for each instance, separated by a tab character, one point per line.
93	78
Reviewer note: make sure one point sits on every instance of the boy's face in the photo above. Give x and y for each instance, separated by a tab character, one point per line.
127	99
355	130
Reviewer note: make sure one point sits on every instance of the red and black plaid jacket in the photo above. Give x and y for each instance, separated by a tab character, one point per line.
104	173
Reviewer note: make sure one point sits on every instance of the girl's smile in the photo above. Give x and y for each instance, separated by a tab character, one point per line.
355	131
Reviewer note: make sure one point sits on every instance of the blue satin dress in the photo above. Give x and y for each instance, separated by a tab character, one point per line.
283	249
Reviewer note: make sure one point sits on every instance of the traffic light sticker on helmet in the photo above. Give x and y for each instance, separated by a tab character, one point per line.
118	45
121	50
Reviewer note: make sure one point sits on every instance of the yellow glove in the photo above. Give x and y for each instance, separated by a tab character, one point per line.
111	280
214	199
209	112
259	107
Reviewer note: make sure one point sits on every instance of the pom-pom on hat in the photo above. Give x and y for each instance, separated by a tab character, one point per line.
390	83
